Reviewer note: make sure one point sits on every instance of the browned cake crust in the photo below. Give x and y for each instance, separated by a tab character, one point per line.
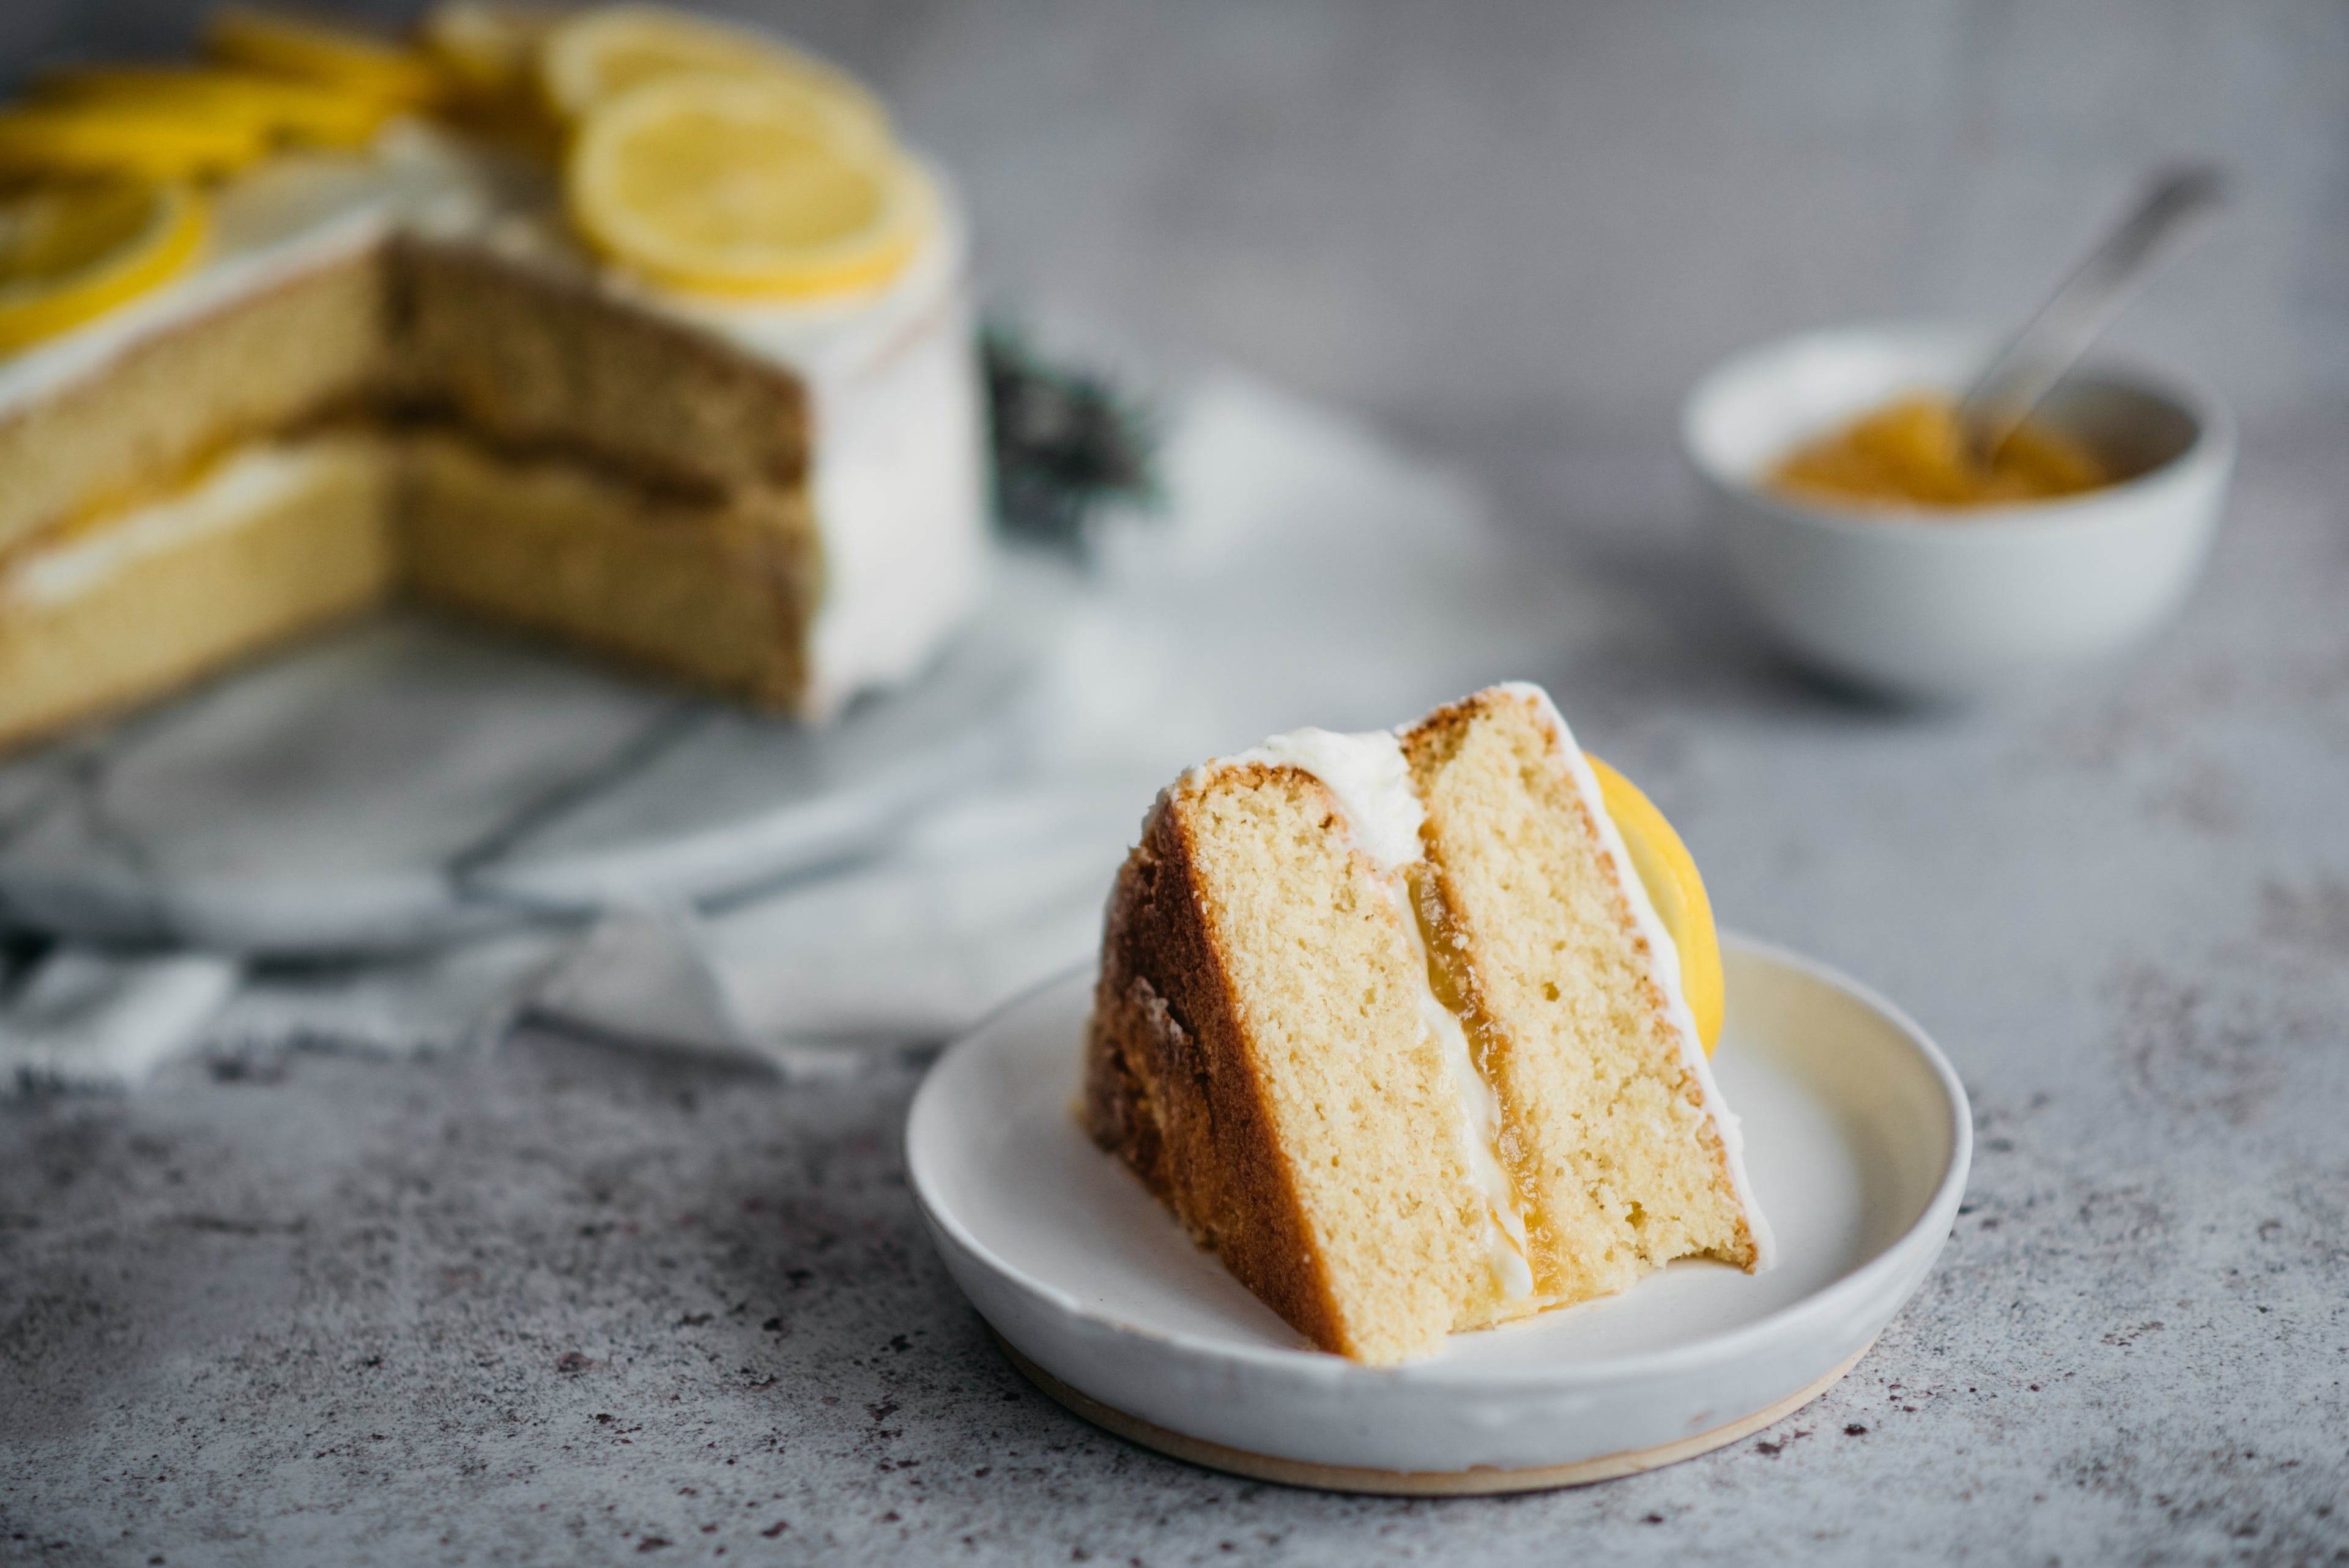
1169	1088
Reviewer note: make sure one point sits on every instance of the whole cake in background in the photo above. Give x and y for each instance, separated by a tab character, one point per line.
1391	1022
620	325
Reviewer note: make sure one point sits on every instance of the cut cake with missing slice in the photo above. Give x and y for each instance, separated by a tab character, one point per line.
395	373
1391	1026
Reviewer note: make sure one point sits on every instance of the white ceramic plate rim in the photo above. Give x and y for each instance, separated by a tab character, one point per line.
1847	1297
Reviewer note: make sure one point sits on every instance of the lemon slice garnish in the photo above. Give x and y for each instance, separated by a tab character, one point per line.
1668	873
313	49
598	55
68	252
153	143
724	185
279	108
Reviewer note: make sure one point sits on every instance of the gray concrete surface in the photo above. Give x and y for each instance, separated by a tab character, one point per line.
556	1305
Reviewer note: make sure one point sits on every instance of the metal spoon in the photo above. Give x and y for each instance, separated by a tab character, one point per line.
2028	367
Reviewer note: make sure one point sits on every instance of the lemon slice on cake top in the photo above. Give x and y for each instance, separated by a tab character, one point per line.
72	251
725	185
597	56
331	54
280	109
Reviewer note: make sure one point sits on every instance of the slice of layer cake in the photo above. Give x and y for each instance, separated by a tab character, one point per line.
1391	1025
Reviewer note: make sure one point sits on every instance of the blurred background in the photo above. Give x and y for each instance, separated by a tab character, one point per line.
1515	230
1508	234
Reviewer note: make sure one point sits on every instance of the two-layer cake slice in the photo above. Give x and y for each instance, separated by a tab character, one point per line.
1391	1025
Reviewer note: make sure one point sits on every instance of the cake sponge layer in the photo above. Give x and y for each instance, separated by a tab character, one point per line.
1257	1056
526	357
1609	1131
276	538
717	592
523	357
271	542
246	368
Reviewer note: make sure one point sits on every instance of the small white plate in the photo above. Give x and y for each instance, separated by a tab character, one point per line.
1858	1141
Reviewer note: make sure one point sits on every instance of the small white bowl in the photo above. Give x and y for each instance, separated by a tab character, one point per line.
1954	605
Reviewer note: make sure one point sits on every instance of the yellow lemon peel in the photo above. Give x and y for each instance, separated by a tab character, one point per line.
1668	874
491	48
313	49
599	55
68	252
280	109
727	186
153	143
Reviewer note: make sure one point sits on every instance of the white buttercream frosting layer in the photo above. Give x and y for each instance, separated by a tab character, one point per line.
226	497
1371	780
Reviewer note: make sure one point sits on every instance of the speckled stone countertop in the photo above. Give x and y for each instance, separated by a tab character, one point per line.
556	1304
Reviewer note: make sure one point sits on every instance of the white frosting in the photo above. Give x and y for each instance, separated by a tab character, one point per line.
1371	782
1506	1249
1370	778
1663	959
228	497
898	467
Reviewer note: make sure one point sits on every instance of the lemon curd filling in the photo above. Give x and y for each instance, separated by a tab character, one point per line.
1449	1016
224	494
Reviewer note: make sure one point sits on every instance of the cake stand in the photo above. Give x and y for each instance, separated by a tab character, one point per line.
408	781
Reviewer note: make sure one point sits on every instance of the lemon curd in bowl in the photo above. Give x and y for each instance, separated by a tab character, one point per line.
1912	452
1924	602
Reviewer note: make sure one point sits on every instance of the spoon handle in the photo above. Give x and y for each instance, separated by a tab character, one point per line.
2031	364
